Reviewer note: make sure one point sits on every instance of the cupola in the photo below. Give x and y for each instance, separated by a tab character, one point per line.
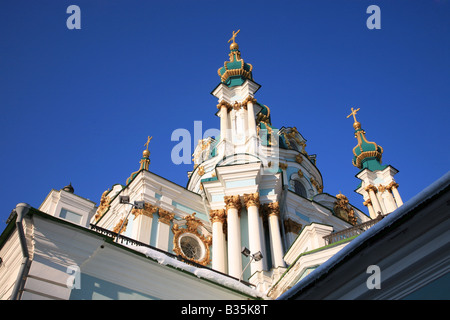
366	154
235	71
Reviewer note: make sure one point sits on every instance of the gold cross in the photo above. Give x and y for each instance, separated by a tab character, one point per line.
353	114
234	36
148	141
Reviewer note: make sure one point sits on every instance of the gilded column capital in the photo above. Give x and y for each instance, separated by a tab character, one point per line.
148	211
218	215
367	203
251	199
223	104
273	209
382	188
233	202
371	187
249	99
391	185
165	216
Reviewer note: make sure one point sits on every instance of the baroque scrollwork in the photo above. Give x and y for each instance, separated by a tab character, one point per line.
148	211
316	184
191	228
104	205
165	216
343	209
120	226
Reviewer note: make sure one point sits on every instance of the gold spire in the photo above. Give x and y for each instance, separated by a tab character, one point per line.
145	160
356	124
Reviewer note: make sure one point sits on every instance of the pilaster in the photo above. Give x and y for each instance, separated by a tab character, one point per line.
142	225
163	231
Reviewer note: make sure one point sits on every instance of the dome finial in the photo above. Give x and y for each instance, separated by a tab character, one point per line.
234	45
356	124
69	188
146	153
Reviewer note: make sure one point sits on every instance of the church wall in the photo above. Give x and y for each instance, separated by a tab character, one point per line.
93	288
64	254
11	255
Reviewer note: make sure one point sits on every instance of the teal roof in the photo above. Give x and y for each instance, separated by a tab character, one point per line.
236	71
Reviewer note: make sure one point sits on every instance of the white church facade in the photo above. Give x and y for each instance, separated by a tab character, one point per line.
252	222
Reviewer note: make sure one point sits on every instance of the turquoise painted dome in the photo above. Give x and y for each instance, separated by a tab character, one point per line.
236	71
366	154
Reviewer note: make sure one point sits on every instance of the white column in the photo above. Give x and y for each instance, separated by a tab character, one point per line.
368	204
162	239
218	241
276	246
251	125
142	224
240	126
381	201
233	205
388	199
223	122
393	186
251	117
373	198
255	235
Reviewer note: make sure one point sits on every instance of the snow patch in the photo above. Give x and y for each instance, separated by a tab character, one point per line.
201	273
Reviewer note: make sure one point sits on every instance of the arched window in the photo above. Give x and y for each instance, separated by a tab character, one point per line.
299	188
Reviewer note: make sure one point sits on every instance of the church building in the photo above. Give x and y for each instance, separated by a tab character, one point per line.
252	221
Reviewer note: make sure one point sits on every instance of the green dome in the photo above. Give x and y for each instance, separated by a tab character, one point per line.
366	154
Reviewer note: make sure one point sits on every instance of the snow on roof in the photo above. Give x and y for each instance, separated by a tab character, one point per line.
202	273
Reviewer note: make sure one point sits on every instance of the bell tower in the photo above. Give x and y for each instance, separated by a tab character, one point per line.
239	178
378	187
237	104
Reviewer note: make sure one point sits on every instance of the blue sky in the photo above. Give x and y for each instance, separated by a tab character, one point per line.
77	105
